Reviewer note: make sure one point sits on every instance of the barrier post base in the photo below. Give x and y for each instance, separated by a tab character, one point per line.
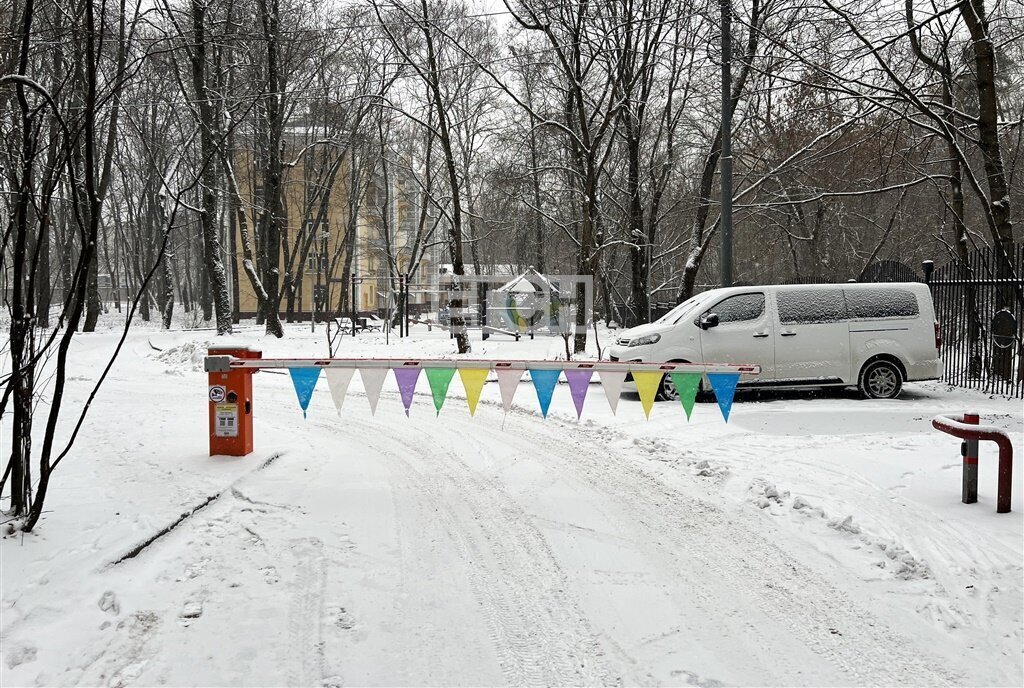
230	405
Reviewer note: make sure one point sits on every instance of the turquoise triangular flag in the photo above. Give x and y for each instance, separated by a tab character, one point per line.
304	380
544	382
724	385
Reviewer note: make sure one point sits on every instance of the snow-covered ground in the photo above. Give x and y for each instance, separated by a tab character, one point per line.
814	540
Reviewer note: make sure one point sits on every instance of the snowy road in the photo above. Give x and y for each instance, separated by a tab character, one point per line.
795	546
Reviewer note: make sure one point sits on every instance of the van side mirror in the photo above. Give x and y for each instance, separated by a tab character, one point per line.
708	320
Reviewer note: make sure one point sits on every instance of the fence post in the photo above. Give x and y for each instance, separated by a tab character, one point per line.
354	307
969	448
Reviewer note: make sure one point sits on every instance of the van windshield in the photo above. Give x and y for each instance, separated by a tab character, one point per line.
673	315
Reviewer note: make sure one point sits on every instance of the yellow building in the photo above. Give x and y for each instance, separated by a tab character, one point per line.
314	250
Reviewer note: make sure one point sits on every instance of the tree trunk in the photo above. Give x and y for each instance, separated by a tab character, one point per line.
271	225
214	274
976	20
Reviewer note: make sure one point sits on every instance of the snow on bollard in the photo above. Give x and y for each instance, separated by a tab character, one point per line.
966	428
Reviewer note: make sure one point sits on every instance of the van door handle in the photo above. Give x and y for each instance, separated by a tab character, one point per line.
788	334
759	335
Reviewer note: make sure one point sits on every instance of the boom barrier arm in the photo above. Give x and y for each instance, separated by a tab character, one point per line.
224	364
230	372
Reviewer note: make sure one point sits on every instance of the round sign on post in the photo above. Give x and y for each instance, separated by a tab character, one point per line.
1004	329
217	393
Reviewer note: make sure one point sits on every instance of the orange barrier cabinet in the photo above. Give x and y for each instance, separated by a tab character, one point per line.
230	401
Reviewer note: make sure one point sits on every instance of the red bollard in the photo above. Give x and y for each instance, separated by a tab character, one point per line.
966	428
969	449
230	403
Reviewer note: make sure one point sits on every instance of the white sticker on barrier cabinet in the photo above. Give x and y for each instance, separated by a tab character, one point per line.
226	420
217	393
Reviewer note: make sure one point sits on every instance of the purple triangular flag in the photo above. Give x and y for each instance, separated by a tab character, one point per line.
579	383
406	378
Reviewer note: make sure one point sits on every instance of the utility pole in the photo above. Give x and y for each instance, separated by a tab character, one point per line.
725	161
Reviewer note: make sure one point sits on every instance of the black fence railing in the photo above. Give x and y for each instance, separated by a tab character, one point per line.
980	308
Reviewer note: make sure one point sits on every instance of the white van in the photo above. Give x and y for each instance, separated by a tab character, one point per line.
874	336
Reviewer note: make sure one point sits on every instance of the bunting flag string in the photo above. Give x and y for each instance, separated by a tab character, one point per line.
579	384
544	382
373	381
687	384
338	380
508	383
304	380
612	381
722	380
473	380
724	385
647	383
439	379
406	378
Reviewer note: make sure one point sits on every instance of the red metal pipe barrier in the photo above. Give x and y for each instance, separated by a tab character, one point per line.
965	427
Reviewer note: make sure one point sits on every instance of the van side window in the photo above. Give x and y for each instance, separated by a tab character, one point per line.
881	303
810	306
739	307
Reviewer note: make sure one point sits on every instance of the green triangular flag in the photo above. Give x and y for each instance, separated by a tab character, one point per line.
687	385
439	379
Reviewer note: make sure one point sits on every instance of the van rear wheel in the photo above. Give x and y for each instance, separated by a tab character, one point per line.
881	380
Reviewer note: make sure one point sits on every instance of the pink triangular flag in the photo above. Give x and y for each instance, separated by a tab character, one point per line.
612	383
579	382
508	381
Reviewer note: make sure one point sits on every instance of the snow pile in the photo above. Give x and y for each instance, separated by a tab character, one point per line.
185	357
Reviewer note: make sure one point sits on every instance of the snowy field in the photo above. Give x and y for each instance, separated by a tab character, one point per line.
814	540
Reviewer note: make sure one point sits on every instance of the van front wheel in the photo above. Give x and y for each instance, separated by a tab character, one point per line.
667	389
881	380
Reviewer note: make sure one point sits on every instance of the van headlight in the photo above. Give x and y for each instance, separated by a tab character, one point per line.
645	340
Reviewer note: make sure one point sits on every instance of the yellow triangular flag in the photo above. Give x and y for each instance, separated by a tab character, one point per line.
473	380
647	383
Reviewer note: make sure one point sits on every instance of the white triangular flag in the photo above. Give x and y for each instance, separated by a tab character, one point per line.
611	381
508	381
337	381
373	380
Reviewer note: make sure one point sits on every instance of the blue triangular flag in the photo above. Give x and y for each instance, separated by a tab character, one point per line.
304	380
724	385
544	382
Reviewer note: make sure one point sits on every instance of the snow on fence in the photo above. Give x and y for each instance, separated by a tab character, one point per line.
980	308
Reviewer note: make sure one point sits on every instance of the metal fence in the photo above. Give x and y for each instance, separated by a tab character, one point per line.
980	308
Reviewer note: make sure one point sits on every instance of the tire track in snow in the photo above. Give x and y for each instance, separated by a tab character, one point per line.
691	531
305	615
538	631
